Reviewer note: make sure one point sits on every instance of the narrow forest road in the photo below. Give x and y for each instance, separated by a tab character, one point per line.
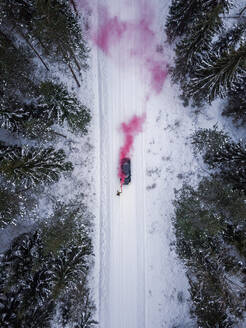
139	277
122	226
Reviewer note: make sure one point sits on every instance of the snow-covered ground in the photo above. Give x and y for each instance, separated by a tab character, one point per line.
141	282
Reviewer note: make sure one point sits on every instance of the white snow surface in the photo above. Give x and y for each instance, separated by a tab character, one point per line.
140	282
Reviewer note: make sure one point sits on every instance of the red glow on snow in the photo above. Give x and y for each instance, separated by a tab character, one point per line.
130	130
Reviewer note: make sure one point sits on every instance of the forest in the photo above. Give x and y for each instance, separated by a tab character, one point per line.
210	219
45	265
47	260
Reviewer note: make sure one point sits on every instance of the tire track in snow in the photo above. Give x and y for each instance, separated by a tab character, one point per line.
124	272
122	286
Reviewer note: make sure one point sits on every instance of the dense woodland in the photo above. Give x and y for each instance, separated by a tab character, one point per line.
210	219
43	271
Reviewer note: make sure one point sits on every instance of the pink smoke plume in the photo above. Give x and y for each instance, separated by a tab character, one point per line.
138	33
139	42
130	130
112	30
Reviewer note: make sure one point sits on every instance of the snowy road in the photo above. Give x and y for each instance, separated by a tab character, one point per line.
122	255
141	284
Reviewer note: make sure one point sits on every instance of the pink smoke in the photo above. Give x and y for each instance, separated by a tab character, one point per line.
83	6
111	30
137	40
130	130
159	73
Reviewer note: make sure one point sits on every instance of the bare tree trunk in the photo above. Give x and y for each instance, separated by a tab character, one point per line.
78	84
75	59
69	65
32	47
234	17
240	13
58	134
41	43
74	6
73	55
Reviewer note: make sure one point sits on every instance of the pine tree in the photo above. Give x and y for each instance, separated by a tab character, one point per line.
10	206
53	26
59	106
236	103
197	31
209	140
30	165
53	105
60	36
15	68
86	317
69	265
68	225
191	49
218	73
231	38
19	12
180	17
231	163
39	275
26	280
210	233
226	157
14	113
183	15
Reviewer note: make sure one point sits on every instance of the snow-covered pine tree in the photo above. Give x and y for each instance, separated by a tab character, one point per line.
57	18
69	265
196	43
13	113
231	163
26	284
32	165
222	154
231	38
58	105
10	206
210	238
87	313
57	30
53	105
181	16
236	103
77	306
53	26
206	140
20	12
35	278
15	67
217	73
